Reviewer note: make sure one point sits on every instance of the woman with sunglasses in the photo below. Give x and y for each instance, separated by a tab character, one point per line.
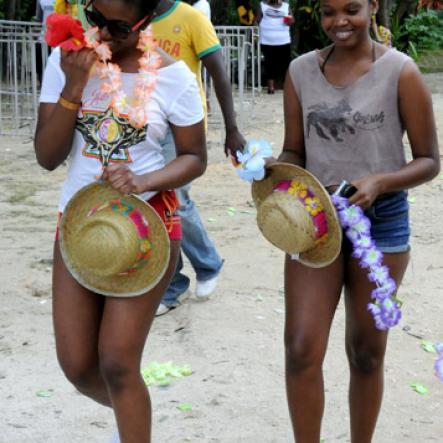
99	339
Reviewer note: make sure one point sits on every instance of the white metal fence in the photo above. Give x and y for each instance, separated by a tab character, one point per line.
23	58
22	55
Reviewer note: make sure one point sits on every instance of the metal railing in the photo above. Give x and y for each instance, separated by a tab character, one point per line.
23	56
242	56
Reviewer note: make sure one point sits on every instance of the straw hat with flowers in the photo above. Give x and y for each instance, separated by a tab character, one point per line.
112	244
296	214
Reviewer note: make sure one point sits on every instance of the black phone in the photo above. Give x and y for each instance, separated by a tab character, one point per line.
345	189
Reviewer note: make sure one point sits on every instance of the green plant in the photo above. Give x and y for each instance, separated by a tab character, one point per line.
425	30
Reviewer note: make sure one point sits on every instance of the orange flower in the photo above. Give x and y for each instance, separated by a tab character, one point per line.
64	31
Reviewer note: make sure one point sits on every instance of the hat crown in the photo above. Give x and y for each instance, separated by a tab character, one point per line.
107	243
285	222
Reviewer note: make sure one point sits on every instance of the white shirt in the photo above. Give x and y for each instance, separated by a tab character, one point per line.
47	7
175	99
203	6
273	30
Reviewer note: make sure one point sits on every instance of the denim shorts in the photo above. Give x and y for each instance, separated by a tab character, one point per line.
389	216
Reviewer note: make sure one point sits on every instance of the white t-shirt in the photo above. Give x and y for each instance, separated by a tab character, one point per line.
175	99
273	30
203	6
47	7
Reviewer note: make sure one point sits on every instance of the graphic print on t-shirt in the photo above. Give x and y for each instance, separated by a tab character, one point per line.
335	121
103	131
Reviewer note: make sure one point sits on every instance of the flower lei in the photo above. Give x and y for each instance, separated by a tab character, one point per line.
67	32
136	109
385	308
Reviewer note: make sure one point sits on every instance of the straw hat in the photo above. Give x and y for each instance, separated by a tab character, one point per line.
112	244
287	220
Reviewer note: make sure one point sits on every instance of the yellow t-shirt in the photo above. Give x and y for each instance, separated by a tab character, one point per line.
186	34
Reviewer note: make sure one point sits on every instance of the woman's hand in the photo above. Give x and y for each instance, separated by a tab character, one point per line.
368	189
76	66
122	179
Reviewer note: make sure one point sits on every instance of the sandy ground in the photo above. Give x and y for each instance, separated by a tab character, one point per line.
233	342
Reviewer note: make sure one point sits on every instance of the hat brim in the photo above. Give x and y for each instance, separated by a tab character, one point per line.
324	254
131	284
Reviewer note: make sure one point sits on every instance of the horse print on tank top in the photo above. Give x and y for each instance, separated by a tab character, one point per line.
336	121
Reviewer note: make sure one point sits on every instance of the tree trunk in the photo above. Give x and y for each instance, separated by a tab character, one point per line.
384	12
406	7
12	9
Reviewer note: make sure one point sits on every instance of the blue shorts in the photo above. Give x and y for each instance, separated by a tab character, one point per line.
389	216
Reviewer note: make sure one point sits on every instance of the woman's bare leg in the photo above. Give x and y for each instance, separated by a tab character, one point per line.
77	314
366	346
311	299
124	329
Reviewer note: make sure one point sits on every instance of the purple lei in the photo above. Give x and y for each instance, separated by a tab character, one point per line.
384	307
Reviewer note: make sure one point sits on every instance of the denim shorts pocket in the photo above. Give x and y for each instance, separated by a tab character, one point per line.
389	209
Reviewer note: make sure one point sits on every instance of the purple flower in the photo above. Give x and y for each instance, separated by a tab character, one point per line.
364	242
389	312
439	348
376	313
340	202
352	235
379	274
372	257
386	290
439	368
358	252
354	214
363	226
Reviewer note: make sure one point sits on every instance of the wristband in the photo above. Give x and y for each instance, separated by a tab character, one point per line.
69	105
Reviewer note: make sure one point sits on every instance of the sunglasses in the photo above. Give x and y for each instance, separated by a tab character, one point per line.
117	28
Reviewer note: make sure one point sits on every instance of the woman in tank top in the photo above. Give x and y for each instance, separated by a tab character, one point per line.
347	107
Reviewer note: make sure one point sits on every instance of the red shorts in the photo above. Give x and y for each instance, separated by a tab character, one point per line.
165	204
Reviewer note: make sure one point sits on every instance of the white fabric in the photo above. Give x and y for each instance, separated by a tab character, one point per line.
175	99
273	30
47	7
203	6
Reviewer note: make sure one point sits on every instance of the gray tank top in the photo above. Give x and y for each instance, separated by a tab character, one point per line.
351	131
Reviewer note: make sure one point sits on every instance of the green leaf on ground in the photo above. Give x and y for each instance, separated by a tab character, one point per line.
161	374
428	346
412	199
184	407
43	393
419	388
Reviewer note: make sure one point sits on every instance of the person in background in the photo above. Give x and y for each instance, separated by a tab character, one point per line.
44	9
274	18
204	7
186	34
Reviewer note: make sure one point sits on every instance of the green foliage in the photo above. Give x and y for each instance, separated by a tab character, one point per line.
2	9
418	34
308	33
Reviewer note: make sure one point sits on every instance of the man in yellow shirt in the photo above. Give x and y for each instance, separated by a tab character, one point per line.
186	34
